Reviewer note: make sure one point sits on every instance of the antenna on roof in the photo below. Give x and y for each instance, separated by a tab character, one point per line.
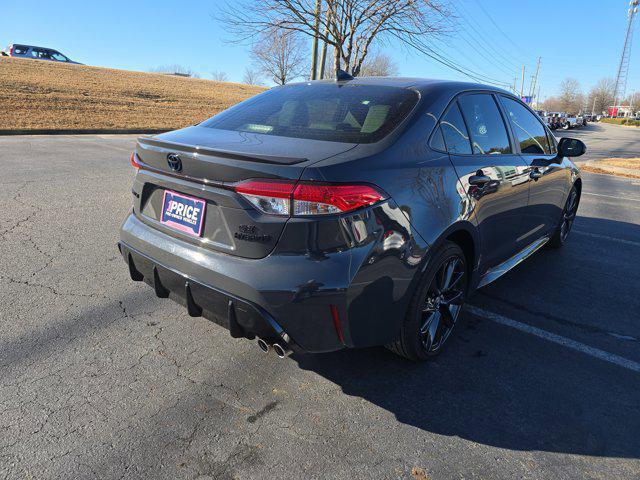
342	76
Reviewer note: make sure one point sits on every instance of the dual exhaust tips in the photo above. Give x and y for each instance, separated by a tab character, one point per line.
281	350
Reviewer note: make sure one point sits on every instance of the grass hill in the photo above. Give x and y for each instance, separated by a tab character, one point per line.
37	94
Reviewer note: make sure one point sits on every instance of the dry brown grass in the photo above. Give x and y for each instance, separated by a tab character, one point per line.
601	167
621	162
46	95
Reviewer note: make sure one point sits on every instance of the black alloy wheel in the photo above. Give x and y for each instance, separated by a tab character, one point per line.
566	221
436	305
442	304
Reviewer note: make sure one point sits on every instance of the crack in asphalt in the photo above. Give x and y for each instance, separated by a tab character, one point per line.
16	198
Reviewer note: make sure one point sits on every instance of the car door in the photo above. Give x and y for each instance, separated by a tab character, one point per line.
490	172
548	177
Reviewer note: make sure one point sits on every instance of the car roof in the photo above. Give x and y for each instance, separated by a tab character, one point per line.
32	46
423	85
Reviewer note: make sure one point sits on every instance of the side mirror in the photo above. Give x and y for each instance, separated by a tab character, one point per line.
571	147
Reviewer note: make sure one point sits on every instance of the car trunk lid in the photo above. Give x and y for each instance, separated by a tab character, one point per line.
204	163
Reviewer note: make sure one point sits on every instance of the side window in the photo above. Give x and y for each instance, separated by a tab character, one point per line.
40	53
528	130
487	130
455	132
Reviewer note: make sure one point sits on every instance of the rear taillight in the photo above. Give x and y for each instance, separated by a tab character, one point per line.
268	196
314	199
134	160
307	198
11	51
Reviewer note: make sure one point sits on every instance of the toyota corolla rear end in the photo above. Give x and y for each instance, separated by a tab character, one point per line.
228	221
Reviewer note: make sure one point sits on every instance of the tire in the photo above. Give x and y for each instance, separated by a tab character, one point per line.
426	326
561	233
566	126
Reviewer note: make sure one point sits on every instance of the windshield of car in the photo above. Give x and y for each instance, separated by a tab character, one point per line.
58	56
349	113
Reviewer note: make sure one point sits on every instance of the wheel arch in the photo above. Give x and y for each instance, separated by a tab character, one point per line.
578	185
465	235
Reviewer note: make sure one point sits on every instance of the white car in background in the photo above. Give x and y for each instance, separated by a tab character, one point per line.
574	121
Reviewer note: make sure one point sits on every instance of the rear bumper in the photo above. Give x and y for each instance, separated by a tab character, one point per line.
315	294
240	317
272	298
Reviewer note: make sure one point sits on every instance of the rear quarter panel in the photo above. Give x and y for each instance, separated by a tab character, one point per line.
426	201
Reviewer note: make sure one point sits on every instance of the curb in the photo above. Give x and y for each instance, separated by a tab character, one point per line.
84	131
609	169
619	125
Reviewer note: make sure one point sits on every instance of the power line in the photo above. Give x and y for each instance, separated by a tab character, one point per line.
463	33
517	47
462	52
516	63
478	77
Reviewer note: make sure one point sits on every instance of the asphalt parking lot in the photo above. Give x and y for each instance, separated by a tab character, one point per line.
101	379
605	141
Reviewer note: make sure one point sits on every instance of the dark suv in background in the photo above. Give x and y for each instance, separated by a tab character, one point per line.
37	53
361	212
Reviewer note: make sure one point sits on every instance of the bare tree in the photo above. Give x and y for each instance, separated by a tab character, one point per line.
349	26
251	76
552	104
280	55
175	69
633	100
219	76
601	95
571	97
378	65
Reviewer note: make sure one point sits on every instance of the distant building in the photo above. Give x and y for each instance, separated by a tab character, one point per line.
621	111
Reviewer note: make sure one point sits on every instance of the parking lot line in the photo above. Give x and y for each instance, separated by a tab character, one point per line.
612	196
559	339
607	237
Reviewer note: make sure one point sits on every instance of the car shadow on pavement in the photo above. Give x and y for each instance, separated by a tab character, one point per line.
500	402
501	387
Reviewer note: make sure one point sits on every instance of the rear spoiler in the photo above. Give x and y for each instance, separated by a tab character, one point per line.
273	159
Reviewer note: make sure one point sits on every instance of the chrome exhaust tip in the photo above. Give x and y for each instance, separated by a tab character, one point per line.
281	351
264	346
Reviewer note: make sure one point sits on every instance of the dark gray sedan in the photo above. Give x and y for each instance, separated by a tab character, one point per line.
338	214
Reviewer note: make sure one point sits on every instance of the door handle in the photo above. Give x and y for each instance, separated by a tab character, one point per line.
535	174
479	180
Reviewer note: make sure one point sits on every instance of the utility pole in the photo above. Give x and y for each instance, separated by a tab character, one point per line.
323	51
532	86
522	84
623	67
515	85
593	107
314	53
534	80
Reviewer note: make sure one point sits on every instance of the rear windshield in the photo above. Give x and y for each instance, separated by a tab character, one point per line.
348	113
20	49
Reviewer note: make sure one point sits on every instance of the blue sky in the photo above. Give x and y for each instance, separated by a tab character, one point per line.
577	39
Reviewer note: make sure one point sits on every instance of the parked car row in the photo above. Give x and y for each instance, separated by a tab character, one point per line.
565	121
